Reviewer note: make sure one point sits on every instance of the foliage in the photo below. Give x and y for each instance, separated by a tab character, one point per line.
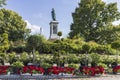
4	43
17	49
95	57
72	58
77	46
86	48
17	64
45	65
85	59
59	34
46	47
72	65
12	24
103	65
116	45
17	46
3	58
2	3
24	57
12	57
33	42
56	58
109	35
92	19
35	72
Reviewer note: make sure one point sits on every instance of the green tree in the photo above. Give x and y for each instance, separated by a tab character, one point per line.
2	3
59	34
12	24
34	41
91	16
108	35
4	43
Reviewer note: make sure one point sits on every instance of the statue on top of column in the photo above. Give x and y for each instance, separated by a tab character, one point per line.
53	14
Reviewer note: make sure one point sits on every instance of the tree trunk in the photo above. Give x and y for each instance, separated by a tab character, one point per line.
33	52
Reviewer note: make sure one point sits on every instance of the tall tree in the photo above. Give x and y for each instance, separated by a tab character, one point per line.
91	16
12	24
2	2
34	41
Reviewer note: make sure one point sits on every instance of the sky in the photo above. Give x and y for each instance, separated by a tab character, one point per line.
37	13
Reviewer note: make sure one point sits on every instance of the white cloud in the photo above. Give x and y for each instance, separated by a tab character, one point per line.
35	29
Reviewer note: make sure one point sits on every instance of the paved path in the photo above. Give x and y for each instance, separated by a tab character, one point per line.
18	77
105	77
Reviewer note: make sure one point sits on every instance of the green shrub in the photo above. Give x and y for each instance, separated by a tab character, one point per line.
17	64
107	60
45	65
76	66
73	58
95	57
17	49
103	65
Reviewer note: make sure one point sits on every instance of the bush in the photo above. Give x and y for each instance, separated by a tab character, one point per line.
45	65
103	65
72	65
95	57
17	64
105	49
73	58
17	49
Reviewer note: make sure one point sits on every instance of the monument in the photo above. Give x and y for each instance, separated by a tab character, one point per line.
53	26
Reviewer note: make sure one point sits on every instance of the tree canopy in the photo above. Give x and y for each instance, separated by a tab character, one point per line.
12	24
92	18
34	41
59	34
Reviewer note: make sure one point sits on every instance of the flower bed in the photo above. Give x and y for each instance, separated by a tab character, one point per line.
56	70
32	70
116	69
92	71
3	69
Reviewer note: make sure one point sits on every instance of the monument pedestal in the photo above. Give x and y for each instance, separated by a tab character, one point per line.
53	30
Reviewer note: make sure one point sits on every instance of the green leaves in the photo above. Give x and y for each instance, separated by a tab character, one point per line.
4	43
35	41
12	23
90	16
116	45
59	34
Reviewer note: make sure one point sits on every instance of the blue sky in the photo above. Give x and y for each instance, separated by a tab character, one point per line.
37	13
